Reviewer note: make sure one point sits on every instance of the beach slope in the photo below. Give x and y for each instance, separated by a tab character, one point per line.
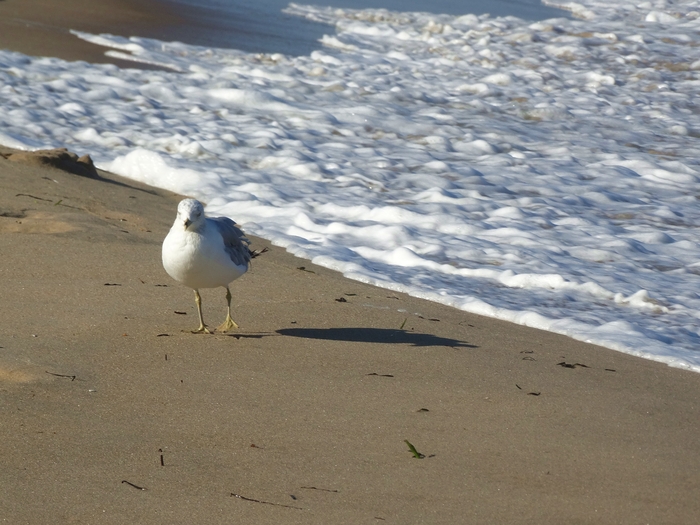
114	413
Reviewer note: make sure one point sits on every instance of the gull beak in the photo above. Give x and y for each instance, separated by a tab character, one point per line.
187	223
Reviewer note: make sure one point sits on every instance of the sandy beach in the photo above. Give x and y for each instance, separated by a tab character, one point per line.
112	412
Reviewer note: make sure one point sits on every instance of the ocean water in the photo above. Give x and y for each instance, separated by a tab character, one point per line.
264	26
546	173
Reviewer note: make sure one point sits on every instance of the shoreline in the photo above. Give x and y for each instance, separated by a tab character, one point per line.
105	392
42	28
582	335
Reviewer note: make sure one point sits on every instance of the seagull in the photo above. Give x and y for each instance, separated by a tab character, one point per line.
206	252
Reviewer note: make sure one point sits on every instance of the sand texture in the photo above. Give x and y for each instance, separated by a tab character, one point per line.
306	410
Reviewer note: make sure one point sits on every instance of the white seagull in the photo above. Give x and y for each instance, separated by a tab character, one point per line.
205	252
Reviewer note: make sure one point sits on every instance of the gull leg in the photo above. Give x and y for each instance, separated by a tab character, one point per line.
228	322
202	327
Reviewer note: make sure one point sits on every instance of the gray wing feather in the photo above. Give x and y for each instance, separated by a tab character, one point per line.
234	239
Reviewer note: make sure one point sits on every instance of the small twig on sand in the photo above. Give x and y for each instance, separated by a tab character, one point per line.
316	488
132	485
72	378
264	502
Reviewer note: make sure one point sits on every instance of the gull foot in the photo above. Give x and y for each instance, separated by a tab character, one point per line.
201	330
227	325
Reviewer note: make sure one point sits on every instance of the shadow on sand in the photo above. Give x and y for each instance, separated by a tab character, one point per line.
374	335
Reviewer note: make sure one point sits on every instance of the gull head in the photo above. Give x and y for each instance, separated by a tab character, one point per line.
190	213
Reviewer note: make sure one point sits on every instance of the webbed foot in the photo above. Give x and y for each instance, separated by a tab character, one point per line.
201	330
227	325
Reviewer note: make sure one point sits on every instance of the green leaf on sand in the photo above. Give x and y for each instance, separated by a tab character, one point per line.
413	450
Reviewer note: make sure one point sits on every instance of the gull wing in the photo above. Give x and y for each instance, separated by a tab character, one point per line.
235	241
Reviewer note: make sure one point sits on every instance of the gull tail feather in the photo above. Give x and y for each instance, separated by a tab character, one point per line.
255	253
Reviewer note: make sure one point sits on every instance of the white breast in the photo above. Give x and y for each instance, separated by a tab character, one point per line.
199	260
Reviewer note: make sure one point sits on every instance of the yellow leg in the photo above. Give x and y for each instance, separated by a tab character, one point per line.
228	322
202	327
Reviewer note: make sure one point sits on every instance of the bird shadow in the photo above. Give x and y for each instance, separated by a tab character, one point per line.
374	335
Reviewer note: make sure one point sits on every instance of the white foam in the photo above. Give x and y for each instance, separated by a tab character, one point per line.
543	173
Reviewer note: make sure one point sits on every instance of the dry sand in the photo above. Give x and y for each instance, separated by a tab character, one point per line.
319	389
304	412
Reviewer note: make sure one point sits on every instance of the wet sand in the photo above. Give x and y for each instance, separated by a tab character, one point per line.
112	412
42	27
